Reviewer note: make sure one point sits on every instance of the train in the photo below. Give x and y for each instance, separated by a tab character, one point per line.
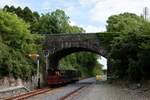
60	77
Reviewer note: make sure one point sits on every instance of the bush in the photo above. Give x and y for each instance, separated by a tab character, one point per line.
16	42
134	71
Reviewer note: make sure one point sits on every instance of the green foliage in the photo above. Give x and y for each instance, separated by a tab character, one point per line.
124	23
56	22
106	38
16	42
129	52
85	62
97	70
26	14
134	70
4	52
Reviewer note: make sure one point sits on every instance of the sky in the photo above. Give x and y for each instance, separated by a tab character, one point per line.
89	14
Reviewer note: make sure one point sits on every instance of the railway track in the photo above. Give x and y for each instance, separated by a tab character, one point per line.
29	94
73	93
41	91
67	96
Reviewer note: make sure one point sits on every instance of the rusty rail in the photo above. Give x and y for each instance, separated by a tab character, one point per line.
71	93
29	94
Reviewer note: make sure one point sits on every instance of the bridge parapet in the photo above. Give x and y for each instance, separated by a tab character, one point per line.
89	41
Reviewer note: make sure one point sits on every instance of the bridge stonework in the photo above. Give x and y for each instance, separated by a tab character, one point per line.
62	45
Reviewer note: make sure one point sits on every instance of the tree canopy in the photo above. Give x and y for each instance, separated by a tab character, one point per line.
129	52
16	42
30	17
77	61
56	22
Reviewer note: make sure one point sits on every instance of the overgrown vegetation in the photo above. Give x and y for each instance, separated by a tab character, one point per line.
20	35
130	51
16	43
85	62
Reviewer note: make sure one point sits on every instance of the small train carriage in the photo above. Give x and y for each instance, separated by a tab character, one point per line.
58	77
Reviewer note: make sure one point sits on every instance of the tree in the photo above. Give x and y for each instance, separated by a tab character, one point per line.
124	23
16	42
56	22
18	12
4	52
47	25
76	29
12	9
6	8
26	14
128	49
53	23
85	62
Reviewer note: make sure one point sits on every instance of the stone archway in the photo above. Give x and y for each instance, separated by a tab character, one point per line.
60	45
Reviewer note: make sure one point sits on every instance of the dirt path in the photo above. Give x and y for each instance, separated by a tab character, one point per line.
105	91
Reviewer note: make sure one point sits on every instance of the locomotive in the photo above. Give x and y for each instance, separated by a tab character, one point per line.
58	77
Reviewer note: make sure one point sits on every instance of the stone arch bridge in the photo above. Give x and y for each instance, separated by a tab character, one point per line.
61	45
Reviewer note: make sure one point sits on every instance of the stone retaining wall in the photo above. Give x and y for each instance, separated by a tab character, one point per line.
7	82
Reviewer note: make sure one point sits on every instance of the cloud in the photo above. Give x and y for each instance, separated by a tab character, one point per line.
92	28
71	10
105	8
46	5
103	61
87	2
89	28
16	3
12	2
6	2
72	23
91	14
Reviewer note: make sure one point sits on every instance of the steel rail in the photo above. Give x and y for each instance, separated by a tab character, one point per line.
29	94
71	93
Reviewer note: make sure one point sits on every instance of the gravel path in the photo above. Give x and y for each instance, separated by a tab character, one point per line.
95	91
105	91
62	91
56	93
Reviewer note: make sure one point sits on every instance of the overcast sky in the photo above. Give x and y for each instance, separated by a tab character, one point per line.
89	14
